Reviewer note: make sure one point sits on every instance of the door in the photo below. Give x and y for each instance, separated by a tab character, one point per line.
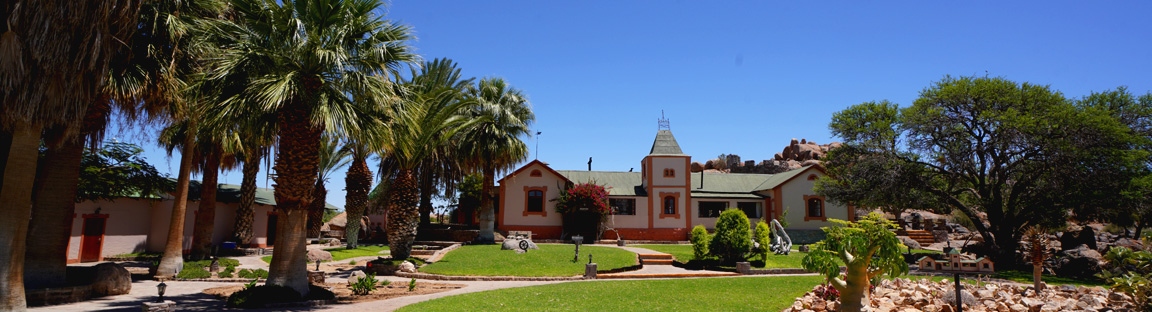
271	238
93	240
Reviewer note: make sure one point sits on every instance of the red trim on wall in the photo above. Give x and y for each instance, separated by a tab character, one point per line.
544	206
84	228
778	196
538	231
823	208
672	234
676	198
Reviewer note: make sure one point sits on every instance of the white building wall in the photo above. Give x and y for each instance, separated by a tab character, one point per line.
710	223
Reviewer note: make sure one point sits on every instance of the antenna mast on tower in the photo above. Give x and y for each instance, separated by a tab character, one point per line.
662	123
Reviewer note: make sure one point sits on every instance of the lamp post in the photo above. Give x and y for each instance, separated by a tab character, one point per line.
160	291
577	239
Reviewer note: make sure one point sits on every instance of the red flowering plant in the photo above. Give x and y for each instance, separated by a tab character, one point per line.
584	195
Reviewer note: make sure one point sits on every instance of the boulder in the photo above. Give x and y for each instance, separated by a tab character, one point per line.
319	255
697	167
408	266
908	241
966	297
1081	262
111	279
355	276
514	244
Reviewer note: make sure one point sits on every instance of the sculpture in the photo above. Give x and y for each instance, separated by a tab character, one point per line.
781	243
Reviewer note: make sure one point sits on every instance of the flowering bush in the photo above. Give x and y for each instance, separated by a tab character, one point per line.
827	292
584	195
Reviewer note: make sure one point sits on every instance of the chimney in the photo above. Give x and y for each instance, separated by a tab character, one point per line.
589	163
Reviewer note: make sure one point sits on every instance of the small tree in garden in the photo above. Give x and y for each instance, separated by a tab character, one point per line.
700	240
733	238
1037	242
867	248
763	237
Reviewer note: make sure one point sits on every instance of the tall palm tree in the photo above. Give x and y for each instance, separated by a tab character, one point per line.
54	60
357	181
332	158
441	168
255	142
428	117
494	144
218	145
301	59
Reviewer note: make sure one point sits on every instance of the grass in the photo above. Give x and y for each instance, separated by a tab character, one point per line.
698	294
1026	277
341	253
683	253
549	260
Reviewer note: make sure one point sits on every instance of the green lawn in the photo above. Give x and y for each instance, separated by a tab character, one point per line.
697	294
683	253
341	253
1026	277
549	260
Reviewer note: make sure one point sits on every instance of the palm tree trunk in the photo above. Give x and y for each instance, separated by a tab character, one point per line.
244	213
402	214
206	213
359	183
316	211
297	165
53	208
15	209
173	259
487	212
426	189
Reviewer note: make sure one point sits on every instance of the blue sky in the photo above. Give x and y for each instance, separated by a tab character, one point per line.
746	77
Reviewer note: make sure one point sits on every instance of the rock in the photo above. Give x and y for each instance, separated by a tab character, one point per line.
1129	243
319	255
966	297
697	167
1081	262
1016	308
514	244
356	276
111	279
804	248
908	241
408	267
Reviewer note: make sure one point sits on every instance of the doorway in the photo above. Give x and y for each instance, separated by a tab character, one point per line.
92	241
271	234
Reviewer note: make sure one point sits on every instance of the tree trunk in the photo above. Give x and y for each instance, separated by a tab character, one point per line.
206	213
173	259
297	165
359	184
316	210
426	189
52	215
289	266
15	210
244	213
1037	270
855	294
487	211
402	214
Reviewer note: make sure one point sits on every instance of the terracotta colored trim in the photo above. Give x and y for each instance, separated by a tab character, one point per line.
812	177
851	212
768	213
688	192
529	164
72	261
778	196
676	201
646	164
544	205
823	208
103	232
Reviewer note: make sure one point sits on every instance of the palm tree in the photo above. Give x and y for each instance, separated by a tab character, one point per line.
358	181
218	145
55	59
332	157
429	116
441	168
494	144
255	146
301	59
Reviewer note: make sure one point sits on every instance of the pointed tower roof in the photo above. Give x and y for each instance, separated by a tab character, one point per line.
665	145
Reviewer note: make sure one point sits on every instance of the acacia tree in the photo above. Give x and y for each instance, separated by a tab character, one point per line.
995	150
866	248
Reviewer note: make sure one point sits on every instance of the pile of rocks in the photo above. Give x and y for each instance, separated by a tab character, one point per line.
797	154
923	295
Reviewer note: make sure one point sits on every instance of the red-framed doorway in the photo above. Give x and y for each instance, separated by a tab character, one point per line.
92	237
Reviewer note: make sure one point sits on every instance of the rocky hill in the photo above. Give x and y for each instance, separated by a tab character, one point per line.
797	154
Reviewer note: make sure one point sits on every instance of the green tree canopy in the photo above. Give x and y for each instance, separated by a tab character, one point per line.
118	170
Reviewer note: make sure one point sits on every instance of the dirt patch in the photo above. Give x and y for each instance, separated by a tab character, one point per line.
344	293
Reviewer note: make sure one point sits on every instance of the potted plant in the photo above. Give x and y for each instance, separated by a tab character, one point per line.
584	207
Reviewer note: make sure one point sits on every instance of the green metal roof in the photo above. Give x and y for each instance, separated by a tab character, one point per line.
230	193
665	145
620	183
779	178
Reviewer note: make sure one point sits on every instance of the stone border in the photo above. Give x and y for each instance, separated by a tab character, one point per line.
436	256
58	295
221	280
439	277
774	271
300	304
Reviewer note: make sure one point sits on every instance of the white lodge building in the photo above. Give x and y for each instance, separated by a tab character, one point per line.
665	200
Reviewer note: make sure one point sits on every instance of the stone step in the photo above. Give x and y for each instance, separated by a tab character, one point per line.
670	275
656	256
656	261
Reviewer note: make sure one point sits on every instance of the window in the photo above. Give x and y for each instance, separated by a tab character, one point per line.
814	208
669	205
535	201
669	173
623	206
535	173
711	209
752	209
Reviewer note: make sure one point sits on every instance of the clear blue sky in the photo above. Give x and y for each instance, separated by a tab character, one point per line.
746	77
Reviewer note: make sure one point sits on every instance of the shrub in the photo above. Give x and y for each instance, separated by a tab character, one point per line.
1138	286
365	285
412	285
733	238
352	262
193	272
259	296
867	248
763	239
227	272
258	273
700	239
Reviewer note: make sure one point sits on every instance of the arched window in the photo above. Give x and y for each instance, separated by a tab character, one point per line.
815	208
535	173
535	202
669	173
669	205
